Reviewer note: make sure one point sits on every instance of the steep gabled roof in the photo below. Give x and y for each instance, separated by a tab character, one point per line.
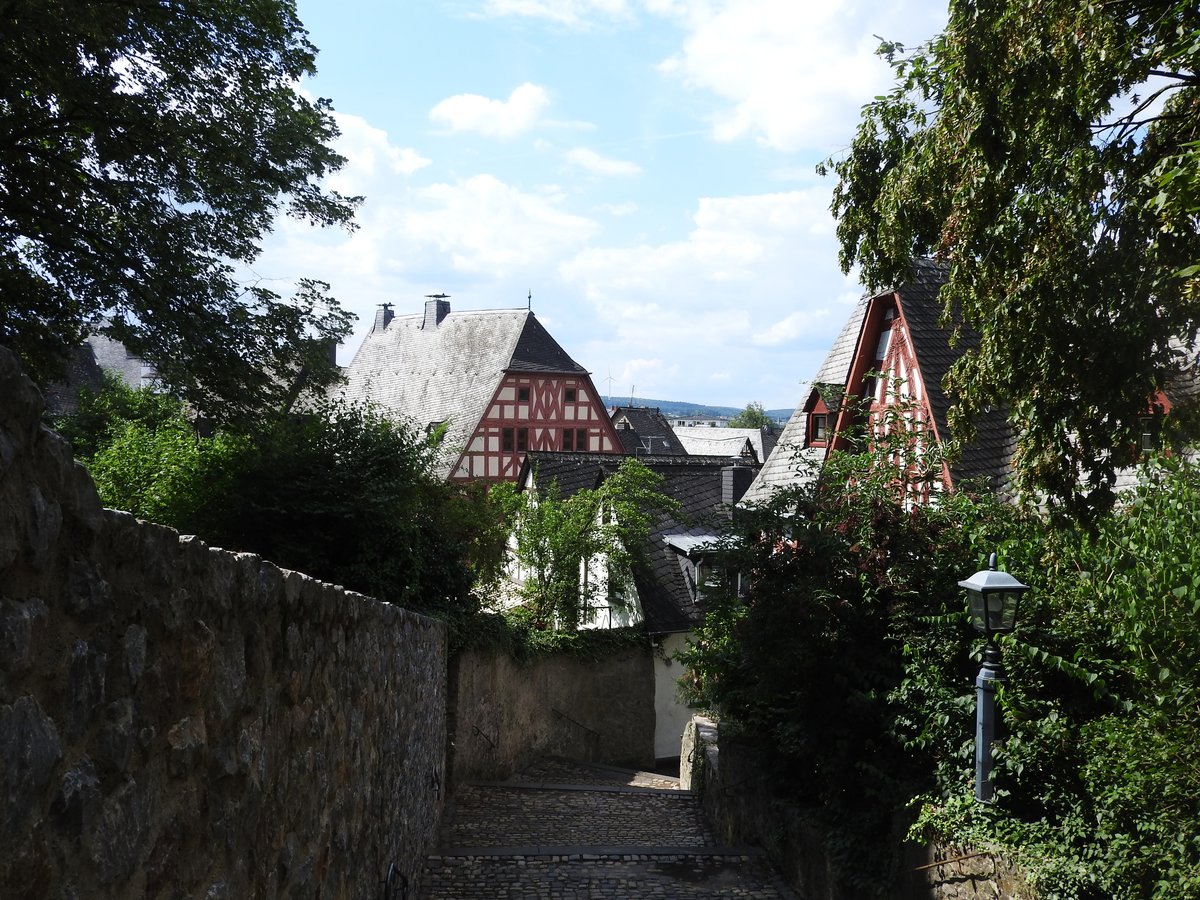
447	371
647	431
786	464
988	457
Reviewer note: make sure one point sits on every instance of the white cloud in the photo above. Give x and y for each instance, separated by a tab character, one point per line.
618	210
485	225
493	118
737	285
572	13
599	164
792	75
791	327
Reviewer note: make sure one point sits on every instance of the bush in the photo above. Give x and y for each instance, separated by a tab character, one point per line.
851	660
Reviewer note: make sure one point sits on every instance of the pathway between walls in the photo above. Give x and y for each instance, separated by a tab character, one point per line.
571	830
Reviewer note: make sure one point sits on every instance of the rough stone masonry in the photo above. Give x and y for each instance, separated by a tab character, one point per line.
177	720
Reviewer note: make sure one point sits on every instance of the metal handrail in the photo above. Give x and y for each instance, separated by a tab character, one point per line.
479	731
395	879
563	715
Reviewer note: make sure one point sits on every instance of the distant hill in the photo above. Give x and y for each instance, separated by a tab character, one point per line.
683	408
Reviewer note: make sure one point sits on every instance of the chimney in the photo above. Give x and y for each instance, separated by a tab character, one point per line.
383	315
437	307
735	481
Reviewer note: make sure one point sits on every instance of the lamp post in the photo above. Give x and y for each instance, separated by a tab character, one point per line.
994	599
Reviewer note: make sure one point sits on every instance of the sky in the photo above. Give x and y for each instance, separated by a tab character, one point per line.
645	169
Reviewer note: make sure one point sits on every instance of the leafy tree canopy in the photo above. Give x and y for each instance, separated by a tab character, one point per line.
1047	151
753	416
146	146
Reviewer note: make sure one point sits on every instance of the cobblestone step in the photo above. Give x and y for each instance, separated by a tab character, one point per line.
564	830
584	876
519	815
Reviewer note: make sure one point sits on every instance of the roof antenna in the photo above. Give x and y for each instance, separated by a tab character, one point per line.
529	302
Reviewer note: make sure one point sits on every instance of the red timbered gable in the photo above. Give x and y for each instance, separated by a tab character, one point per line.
536	412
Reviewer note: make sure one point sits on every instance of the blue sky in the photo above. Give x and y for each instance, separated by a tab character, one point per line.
644	167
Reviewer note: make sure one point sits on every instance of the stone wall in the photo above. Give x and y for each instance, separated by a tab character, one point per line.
176	720
739	801
505	713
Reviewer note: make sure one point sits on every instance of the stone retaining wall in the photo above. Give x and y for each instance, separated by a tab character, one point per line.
740	803
504	713
176	720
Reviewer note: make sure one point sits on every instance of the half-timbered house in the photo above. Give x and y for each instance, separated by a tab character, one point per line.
494	383
883	379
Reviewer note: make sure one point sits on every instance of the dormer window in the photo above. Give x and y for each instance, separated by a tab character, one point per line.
818	428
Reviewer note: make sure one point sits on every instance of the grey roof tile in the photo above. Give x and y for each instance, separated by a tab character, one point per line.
448	372
789	463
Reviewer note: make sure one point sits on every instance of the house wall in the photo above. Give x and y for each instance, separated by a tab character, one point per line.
671	715
543	418
177	720
505	713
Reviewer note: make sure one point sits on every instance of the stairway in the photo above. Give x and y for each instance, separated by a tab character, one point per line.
571	830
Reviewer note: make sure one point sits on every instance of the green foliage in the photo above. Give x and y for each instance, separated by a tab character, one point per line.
338	492
145	149
578	551
851	657
753	416
1047	151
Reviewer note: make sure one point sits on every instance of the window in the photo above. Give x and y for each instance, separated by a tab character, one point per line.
523	395
818	428
568	438
507	440
522	439
581	439
569	395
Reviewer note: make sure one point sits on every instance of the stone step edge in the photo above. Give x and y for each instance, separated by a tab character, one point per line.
616	770
604	851
597	788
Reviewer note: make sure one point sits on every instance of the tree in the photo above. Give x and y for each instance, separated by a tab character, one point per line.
338	492
1047	152
558	538
145	149
753	416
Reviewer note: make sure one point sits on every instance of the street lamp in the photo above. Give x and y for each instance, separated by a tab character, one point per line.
994	600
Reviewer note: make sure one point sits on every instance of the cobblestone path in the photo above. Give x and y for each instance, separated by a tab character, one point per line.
568	831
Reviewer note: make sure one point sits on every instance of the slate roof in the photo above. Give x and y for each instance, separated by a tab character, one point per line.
786	465
986	459
648	431
448	371
696	482
727	441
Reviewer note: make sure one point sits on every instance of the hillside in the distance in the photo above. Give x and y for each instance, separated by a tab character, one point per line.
684	408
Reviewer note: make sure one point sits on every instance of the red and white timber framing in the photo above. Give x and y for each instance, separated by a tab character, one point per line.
535	412
886	375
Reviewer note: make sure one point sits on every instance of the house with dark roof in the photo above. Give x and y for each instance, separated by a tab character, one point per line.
495	382
884	371
681	556
645	431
